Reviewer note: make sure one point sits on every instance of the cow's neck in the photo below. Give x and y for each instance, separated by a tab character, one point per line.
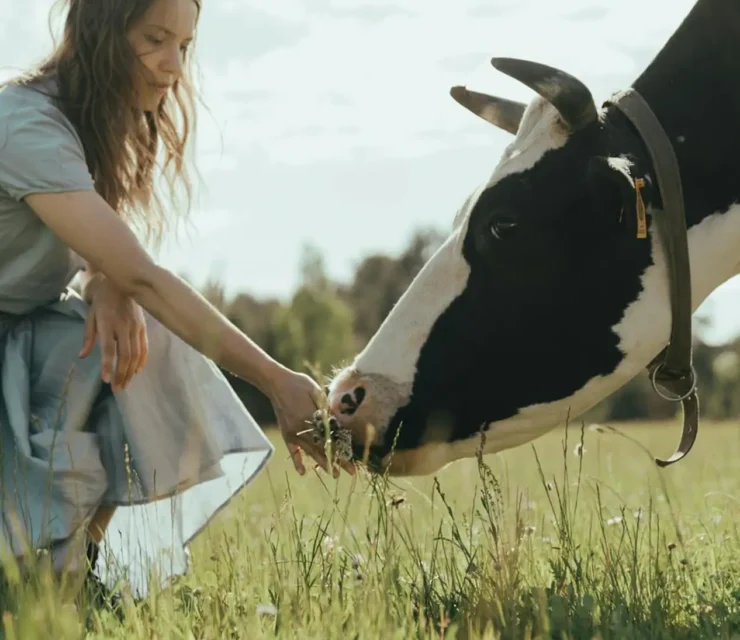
693	87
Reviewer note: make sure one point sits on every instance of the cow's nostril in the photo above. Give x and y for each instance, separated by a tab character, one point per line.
359	395
351	401
348	405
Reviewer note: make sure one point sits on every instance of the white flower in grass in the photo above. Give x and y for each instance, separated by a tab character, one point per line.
266	610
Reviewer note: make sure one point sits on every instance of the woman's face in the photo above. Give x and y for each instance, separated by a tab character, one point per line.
160	40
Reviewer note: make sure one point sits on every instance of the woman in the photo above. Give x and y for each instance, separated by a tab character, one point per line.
110	406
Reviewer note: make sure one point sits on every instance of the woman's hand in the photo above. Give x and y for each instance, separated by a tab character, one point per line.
295	398
119	323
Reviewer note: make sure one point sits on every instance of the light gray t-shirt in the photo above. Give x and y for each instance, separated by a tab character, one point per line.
40	151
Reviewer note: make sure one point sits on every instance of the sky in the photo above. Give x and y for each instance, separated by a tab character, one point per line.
329	121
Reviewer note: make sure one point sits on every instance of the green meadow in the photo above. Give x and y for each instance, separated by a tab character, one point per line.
577	535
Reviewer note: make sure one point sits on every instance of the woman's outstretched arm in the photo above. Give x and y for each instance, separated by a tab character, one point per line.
88	225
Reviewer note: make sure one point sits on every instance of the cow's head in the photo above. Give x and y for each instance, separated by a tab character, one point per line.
514	323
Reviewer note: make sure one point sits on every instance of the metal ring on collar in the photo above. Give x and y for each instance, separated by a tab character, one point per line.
674	398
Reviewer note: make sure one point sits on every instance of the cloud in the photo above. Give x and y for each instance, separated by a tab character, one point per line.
212	162
366	11
306	81
351	85
290	10
315	81
24	35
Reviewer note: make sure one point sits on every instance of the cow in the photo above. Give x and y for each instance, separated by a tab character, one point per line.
547	296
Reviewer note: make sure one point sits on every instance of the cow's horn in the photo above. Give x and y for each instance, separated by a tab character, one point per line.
503	113
566	93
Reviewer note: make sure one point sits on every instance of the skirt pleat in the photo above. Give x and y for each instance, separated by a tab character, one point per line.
168	452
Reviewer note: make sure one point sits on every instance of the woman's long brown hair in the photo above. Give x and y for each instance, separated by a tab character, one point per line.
92	66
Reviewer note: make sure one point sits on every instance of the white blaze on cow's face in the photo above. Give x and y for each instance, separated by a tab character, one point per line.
379	381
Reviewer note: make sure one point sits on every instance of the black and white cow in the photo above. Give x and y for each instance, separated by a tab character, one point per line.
543	300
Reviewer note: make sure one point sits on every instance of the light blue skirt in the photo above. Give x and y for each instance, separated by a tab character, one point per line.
169	451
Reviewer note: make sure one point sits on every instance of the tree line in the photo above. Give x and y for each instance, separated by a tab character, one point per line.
324	323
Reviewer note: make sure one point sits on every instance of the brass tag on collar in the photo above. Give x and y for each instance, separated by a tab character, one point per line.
640	207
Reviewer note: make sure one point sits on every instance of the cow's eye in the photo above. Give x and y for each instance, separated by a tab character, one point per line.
503	226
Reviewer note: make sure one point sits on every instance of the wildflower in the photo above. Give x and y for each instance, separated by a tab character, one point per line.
356	562
266	610
614	520
329	543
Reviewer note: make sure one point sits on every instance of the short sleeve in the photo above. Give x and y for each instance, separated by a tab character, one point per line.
40	152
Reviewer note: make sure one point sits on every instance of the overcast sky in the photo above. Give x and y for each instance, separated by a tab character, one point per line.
330	120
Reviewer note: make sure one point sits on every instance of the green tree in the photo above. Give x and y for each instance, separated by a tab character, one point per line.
380	280
316	327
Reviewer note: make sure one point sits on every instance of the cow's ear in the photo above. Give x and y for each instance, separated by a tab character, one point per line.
618	192
503	113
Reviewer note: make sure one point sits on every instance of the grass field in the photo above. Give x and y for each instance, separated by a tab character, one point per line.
554	539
